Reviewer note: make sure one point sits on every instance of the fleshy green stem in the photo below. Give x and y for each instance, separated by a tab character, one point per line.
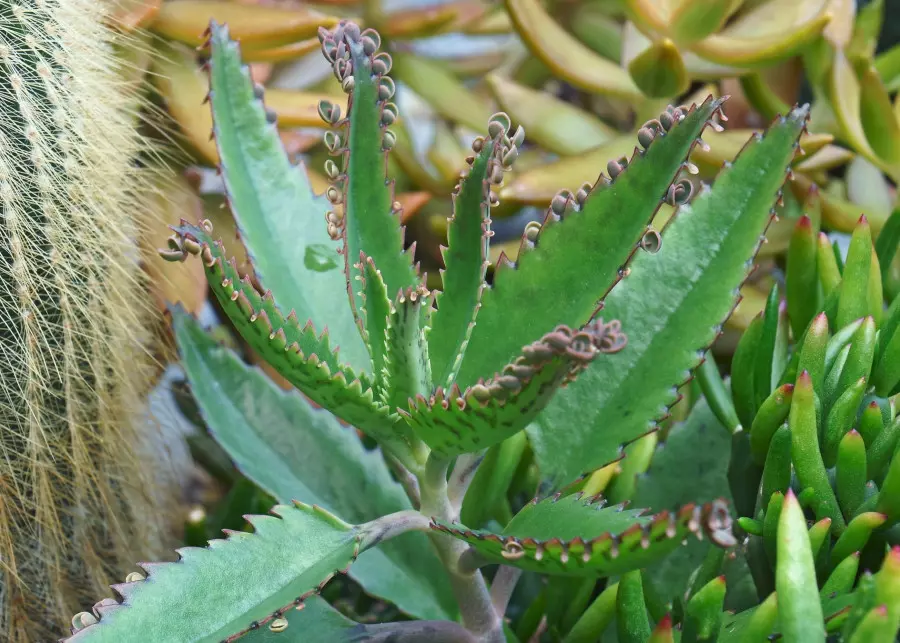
462	476
503	586
469	588
391	526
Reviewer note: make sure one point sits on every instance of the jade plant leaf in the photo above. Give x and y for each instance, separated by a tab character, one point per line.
297	353
370	222
206	596
671	303
296	452
466	254
452	422
578	536
600	225
281	221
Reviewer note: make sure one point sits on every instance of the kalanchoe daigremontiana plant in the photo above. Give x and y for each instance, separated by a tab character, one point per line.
583	341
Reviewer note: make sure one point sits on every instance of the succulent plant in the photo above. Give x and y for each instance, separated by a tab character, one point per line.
576	348
79	496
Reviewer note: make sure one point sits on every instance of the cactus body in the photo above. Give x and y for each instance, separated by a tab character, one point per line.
72	316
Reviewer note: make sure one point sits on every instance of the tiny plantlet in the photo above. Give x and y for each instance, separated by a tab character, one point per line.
572	353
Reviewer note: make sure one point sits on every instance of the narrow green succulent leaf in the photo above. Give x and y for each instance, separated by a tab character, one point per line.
408	368
657	605
602	224
703	613
636	458
795	578
887	586
743	372
374	309
670	303
716	394
850	473
886	375
770	525
492	480
841	418
889	494
864	599
465	259
771	415
880	452
663	632
578	536
861	355
296	452
297	353
596	618
832	388
659	70
814	353
735	627
281	221
454	422
842	577
856	535
853	303
777	470
839	342
632	624
765	349
219	591
370	222
871	423
802	279
806	456
887	243
875	627
818	534
760	625
889	327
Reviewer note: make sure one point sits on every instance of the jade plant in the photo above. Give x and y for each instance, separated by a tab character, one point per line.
578	347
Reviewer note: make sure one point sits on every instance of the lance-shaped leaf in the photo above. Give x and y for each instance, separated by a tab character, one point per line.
214	593
466	254
578	536
600	224
673	301
408	367
281	221
371	219
297	353
375	307
296	452
452	422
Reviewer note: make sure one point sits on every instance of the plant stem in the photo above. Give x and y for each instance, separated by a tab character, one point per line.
392	525
408	481
462	476
417	631
503	586
469	588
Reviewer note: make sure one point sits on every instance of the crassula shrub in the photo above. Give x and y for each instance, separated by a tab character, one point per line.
399	458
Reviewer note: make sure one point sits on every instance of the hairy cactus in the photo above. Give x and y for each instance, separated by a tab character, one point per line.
74	506
445	383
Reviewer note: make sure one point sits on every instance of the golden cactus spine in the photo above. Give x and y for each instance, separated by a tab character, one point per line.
74	367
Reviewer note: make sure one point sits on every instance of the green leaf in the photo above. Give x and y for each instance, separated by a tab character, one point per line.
887	243
317	622
703	613
601	224
466	256
374	309
681	473
795	578
281	221
853	302
669	304
214	593
369	224
632	625
577	536
454	422
296	452
297	354
659	70
408	368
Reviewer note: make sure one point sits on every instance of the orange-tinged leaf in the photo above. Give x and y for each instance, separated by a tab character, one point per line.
476	65
753	301
693	20
724	146
129	15
300	109
550	122
634	42
566	56
877	116
827	158
538	185
420	21
659	70
839	214
412	202
282	52
254	25
652	15
770	32
494	23
845	96
839	31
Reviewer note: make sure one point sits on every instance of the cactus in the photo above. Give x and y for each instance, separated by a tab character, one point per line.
75	505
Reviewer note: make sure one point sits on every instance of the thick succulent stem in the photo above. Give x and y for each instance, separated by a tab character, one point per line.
471	591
